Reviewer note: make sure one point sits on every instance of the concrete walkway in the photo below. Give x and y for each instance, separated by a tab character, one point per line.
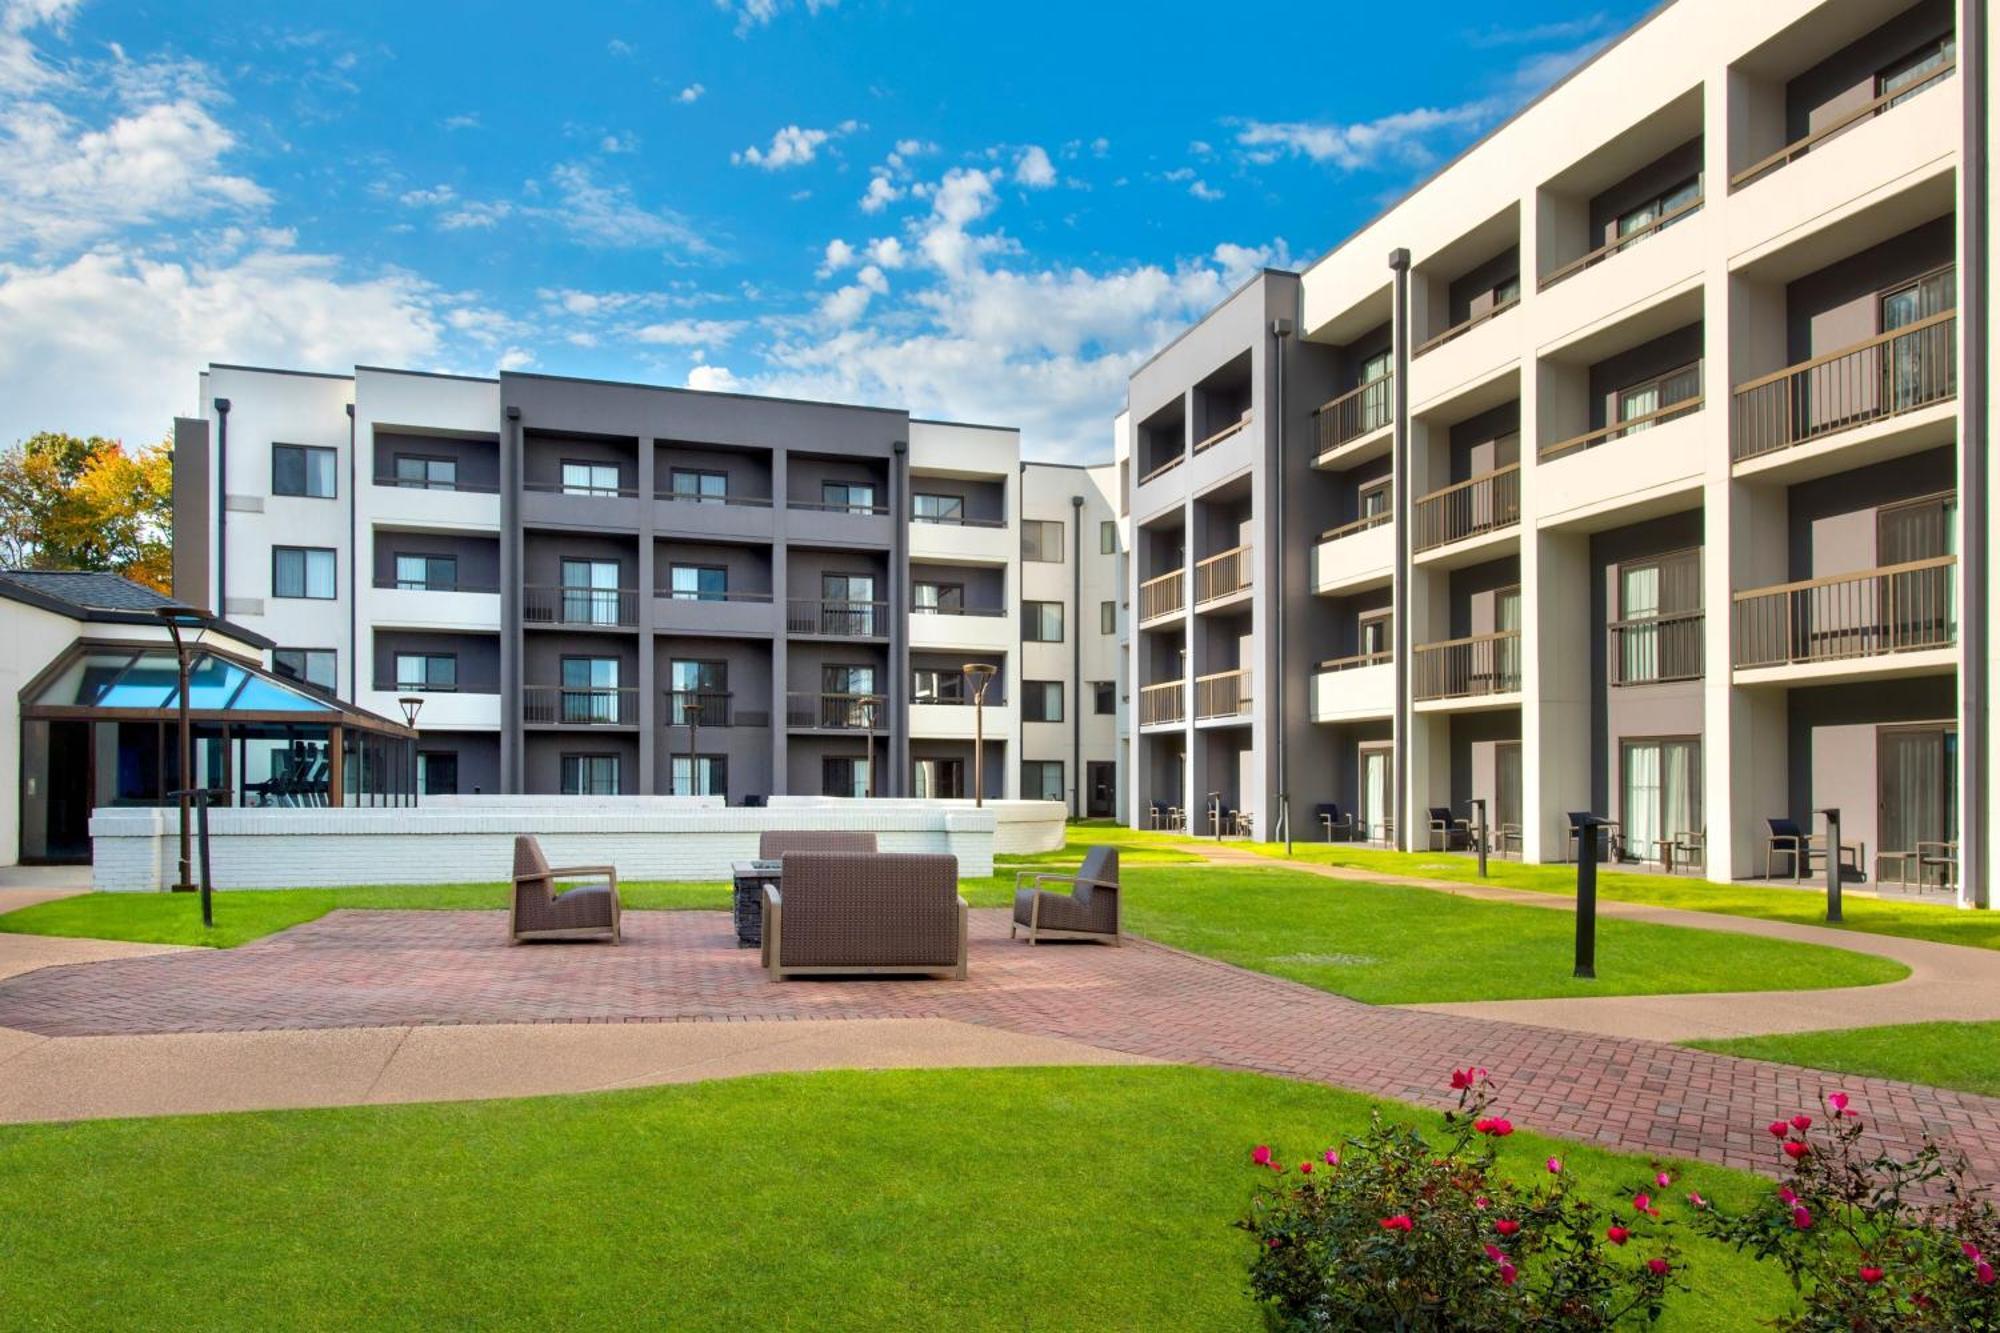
1947	982
79	1078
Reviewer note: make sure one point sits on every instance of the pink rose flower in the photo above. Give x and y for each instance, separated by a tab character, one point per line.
1400	1222
1802	1122
1871	1274
1463	1079
1555	1166
1778	1129
1695	1200
1663	1180
1332	1157
1506	1226
1801	1218
1616	1234
1261	1155
1508	1274
1795	1150
1837	1100
1659	1267
1305	1168
1982	1272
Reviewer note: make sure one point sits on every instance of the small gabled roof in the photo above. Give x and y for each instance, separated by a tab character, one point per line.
83	594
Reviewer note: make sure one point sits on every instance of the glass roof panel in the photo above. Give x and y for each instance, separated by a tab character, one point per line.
85	679
151	682
261	694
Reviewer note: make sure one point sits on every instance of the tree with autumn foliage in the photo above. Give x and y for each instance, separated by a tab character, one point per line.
70	503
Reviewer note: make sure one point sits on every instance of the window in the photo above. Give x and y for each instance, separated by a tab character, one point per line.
299	469
426	671
1107	538
1041	701
590	775
701	775
590	594
700	693
1041	622
1901	80
1661	790
1650	215
427	573
699	583
856	497
590	691
1655	639
937	779
937	685
844	775
426	473
314	666
1643	402
1374	633
1042	540
1107	617
698	485
1103	697
938	599
847	605
1507	654
303	571
1371	498
437	773
589	478
937	508
848	701
1376	405
1042	780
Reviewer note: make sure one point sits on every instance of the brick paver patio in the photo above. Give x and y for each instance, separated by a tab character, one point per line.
365	969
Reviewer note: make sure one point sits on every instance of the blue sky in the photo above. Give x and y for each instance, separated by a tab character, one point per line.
989	213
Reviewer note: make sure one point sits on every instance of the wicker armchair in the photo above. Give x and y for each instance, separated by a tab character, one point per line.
864	912
774	843
1089	911
1448	834
538	912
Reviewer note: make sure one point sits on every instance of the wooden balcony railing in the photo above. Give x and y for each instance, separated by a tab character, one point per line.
837	712
580	705
1162	596
1222	575
1163	703
845	620
1630	238
1798	148
1173	461
1222	694
1894	372
1467	508
1224	433
1360	411
1362	524
1895	609
1649	650
600	608
1380	657
1618	430
1467	668
1464	327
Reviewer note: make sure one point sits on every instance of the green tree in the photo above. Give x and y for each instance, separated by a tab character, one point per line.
70	503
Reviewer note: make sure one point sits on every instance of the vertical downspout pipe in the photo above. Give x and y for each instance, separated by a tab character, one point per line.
1399	338
222	507
1281	333
1975	398
513	768
353	567
1076	660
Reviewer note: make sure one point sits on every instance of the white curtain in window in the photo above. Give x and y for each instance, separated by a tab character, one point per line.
1639	599
1642	796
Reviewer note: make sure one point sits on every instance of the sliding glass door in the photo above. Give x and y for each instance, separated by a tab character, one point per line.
1378	806
1917	772
1661	788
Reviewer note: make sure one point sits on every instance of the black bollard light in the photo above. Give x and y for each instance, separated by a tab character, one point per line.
1479	830
1586	897
1832	814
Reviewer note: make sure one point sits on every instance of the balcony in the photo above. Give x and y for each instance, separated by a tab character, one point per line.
1621	244
553	504
1654	650
713	612
953	541
954	720
836	712
1222	576
979	628
1464	327
836	619
840	524
579	706
1360	688
580	608
461	710
1465	509
1618	430
1203	446
711	708
1222	695
683	514
1899	619
411	605
1481	666
1162	597
1798	148
1350	426
1901	371
1355	556
434	505
1163	705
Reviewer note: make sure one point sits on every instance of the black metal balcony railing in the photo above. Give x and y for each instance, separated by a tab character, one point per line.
957	521
838	619
1360	411
710	708
697	498
1892	373
579	705
983	612
1485	503
837	712
1895	609
428	484
598	608
663	594
838	507
580	489
1467	668
390	583
1651	650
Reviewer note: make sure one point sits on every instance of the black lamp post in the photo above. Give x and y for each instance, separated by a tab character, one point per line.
185	624
979	675
412	704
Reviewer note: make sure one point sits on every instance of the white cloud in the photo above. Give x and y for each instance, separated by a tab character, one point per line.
690	94
1033	169
21	66
1200	147
1565	30
464	120
759	13
435	197
886	252
608	216
619	143
618	46
792	146
1205	192
839	255
514	358
688	332
880	194
1403	137
713	379
475	215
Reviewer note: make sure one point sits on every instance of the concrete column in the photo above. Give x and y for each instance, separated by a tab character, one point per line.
1401	726
781	579
652	705
510	601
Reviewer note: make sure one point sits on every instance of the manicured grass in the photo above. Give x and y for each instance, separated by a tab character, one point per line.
1965	1056
1922	921
1390	944
953	1199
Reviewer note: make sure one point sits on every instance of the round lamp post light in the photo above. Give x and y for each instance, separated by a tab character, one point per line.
186	625
979	675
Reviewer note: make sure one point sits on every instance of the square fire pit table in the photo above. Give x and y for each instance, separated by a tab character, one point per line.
747	904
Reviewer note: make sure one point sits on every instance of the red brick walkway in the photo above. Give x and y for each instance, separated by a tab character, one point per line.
363	969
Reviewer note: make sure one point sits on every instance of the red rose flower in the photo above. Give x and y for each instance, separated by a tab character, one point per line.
1261	1155
1779	1129
1871	1274
1658	1266
1506	1226
1802	1122
1795	1150
1617	1235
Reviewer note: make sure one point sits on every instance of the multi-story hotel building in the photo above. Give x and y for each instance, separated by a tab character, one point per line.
1635	463
621	588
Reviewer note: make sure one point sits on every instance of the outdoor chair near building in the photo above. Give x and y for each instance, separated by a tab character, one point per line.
1806	852
1335	823
862	913
1611	836
1505	835
1448	834
774	844
539	912
1088	911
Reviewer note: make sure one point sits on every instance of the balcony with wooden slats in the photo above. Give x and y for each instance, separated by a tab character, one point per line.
1490	502
1223	696
1162	597
1898	619
1478	667
1223	576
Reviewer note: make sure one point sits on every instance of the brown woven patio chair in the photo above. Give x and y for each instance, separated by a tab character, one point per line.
539	912
1089	911
774	843
860	913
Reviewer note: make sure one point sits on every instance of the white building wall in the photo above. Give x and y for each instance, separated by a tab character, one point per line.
30	638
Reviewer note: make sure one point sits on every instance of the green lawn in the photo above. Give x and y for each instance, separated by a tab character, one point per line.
1965	1056
1937	921
956	1199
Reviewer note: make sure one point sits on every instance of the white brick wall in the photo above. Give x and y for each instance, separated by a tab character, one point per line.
1021	828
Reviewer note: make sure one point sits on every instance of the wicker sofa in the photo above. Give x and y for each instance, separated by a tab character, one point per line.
1088	911
539	912
857	913
774	843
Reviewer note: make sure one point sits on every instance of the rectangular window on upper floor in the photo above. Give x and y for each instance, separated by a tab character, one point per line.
1902	78
427	573
303	469
937	508
316	667
426	472
1042	622
698	485
1107	617
1107	538
1041	701
1042	540
589	478
304	571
